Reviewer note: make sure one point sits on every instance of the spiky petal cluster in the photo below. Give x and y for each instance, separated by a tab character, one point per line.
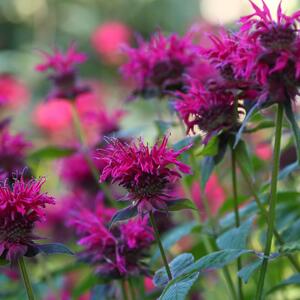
115	253
21	206
145	172
158	66
63	72
209	110
270	52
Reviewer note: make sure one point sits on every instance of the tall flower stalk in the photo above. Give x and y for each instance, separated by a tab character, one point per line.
25	277
272	201
161	248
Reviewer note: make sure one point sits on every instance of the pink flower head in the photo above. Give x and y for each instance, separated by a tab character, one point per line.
137	234
114	253
158	66
13	149
269	52
13	92
63	72
107	39
209	109
21	205
146	173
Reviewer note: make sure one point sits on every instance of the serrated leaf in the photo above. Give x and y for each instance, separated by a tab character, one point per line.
50	152
291	234
179	289
290	247
124	214
294	279
208	164
235	238
294	125
246	272
173	236
177	266
179	204
54	248
213	260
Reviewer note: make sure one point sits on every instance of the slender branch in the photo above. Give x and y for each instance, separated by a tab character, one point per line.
131	289
237	216
272	202
123	289
161	248
25	278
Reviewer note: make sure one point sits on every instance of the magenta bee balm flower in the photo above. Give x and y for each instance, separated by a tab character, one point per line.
208	109
146	173
21	206
157	67
117	252
62	69
269	53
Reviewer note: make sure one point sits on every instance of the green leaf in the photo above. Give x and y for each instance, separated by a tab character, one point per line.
291	234
124	214
173	236
286	171
243	158
163	126
245	121
86	284
177	266
179	204
294	125
54	248
50	152
211	149
294	279
228	204
213	260
184	142
290	247
208	164
246	272
179	288
235	238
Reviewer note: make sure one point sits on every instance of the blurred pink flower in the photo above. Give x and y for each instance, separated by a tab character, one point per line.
22	204
13	92
264	151
107	39
146	173
62	69
158	66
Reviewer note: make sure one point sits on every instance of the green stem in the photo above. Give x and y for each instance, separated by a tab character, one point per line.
123	289
237	216
93	169
161	248
25	278
264	212
272	202
131	289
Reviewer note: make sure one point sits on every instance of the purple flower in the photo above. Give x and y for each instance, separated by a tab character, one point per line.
158	66
21	206
210	109
62	68
146	173
116	253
